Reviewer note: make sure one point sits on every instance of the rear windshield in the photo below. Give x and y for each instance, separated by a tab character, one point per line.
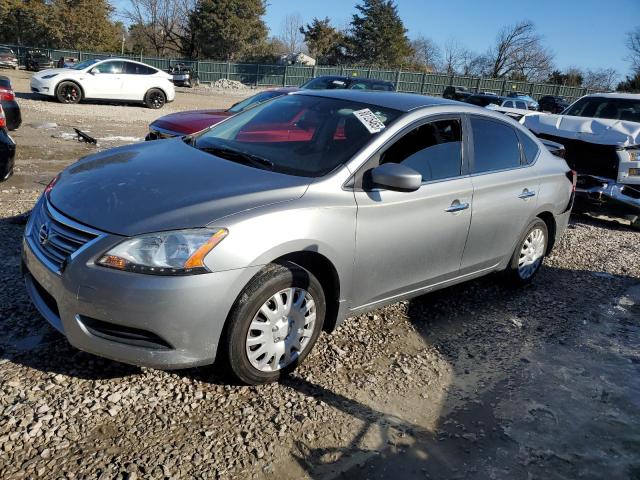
324	83
603	107
299	135
5	83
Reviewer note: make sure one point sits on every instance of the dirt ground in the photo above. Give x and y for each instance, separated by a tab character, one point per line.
478	381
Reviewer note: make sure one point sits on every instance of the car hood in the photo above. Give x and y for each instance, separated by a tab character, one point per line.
601	131
164	185
52	71
189	122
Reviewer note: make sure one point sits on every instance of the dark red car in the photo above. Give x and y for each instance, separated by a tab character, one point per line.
192	121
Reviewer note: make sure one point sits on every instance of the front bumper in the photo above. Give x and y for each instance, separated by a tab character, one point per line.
156	321
43	87
8	64
596	194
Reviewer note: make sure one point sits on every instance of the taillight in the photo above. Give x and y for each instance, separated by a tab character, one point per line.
572	175
7	95
3	119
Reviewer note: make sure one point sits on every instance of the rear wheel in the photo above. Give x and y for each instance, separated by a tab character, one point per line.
68	92
274	324
529	253
155	99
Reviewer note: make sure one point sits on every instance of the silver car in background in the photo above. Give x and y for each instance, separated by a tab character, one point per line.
241	243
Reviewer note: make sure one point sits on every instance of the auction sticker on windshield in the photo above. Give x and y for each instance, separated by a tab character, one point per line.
369	120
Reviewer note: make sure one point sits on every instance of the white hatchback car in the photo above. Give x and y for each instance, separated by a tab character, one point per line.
110	79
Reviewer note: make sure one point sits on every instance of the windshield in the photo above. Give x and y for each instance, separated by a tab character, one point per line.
85	64
603	107
296	134
6	50
253	101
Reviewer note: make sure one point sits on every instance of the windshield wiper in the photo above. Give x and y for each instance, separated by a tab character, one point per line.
239	156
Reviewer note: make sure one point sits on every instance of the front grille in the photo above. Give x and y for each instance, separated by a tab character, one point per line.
55	237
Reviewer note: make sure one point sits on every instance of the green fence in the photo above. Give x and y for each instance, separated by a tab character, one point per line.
260	75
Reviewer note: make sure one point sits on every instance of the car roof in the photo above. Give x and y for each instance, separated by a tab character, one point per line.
404	102
630	96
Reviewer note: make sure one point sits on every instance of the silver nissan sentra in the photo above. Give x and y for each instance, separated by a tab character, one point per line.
244	241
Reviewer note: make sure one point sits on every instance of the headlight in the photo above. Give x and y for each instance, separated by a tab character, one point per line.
51	75
179	252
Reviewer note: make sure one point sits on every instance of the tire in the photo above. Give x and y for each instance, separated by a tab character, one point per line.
155	99
636	224
239	340
520	271
68	92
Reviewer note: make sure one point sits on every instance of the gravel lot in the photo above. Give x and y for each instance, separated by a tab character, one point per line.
477	381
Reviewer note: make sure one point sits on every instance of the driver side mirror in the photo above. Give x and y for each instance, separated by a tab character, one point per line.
396	177
94	71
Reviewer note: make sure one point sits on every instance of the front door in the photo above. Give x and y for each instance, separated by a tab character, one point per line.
408	240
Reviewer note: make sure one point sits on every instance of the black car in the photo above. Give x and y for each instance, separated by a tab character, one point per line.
350	83
456	93
552	103
9	104
35	60
7	150
484	99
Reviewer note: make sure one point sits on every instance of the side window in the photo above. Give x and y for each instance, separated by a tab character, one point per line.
521	105
529	147
433	149
508	104
131	68
109	67
495	146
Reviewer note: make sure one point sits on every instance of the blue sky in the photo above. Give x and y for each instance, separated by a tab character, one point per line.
584	33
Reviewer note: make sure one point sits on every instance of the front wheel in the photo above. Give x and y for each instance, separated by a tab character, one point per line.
274	324
68	92
155	99
529	253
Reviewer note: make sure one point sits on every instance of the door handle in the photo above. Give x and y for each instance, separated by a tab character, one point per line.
456	206
527	194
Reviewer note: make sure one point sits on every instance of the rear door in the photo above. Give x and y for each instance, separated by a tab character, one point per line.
137	79
505	190
408	240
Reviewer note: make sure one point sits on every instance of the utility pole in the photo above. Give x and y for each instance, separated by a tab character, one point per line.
122	52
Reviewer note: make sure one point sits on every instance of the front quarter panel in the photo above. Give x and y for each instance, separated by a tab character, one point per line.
322	221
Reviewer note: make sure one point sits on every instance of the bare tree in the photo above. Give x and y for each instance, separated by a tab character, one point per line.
633	44
453	55
163	23
426	53
290	32
600	79
518	51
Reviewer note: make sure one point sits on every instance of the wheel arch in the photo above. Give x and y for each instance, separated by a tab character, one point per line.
548	218
326	273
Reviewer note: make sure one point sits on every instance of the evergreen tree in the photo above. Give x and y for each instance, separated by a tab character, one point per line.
378	35
228	29
325	43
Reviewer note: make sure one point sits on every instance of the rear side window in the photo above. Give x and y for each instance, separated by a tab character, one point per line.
529	147
521	105
434	150
137	69
495	146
